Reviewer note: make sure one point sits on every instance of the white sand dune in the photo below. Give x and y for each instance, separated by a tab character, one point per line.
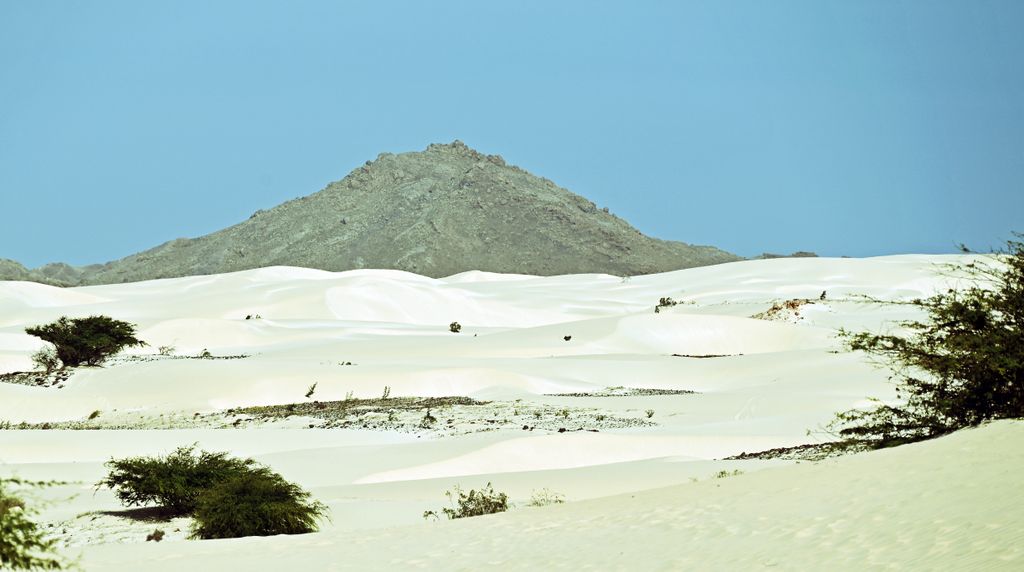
949	504
774	381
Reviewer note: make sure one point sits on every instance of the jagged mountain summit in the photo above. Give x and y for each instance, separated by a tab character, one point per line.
437	212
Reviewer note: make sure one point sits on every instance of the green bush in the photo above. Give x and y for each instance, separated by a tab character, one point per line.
173	482
227	497
961	366
23	544
87	341
258	502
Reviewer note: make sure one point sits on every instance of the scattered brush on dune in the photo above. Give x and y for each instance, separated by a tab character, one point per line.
475	502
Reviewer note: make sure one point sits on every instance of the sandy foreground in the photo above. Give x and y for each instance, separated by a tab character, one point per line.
572	384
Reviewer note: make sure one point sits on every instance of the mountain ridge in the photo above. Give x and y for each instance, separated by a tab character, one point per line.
436	212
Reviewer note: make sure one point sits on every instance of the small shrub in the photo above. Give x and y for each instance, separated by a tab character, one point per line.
173	482
23	543
166	350
156	536
665	302
387	392
545	497
649	413
473	503
257	502
428	420
205	354
46	359
454	327
94	414
87	341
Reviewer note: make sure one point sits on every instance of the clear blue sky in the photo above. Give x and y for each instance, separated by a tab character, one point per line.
844	127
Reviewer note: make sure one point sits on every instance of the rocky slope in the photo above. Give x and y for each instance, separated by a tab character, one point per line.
437	212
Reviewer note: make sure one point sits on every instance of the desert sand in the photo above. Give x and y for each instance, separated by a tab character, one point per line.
563	371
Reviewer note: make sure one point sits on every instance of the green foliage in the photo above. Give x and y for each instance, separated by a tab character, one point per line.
23	544
454	327
961	366
474	503
227	497
174	482
257	502
87	341
46	359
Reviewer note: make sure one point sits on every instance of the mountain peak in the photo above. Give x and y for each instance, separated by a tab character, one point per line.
437	212
460	149
456	146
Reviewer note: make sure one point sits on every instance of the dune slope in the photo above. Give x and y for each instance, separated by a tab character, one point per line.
572	383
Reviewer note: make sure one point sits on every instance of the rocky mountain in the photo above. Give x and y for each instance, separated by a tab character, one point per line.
57	274
797	254
438	212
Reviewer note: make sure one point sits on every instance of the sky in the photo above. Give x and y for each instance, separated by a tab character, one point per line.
847	128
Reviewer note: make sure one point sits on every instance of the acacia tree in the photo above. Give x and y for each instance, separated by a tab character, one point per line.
87	341
959	367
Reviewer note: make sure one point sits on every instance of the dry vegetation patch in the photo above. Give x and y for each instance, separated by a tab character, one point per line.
433	416
55	378
786	311
621	391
